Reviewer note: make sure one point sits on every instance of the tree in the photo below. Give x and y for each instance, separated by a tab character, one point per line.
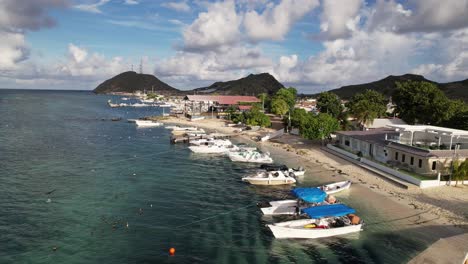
424	103
265	100
256	118
329	103
288	95
367	106
318	126
279	106
460	171
231	110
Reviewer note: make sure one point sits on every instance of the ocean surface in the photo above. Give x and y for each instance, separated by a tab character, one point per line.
71	180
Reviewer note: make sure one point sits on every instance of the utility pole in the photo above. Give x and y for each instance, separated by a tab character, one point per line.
141	66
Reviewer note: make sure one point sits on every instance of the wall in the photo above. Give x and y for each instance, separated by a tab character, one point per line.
342	151
391	171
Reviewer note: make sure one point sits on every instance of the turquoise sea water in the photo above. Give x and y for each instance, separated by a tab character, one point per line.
101	175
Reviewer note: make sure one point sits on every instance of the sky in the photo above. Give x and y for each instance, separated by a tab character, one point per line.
313	45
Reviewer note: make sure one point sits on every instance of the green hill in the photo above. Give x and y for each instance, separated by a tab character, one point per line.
386	86
253	84
131	81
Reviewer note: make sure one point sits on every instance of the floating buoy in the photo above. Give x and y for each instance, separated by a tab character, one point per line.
172	251
49	200
127	224
151	205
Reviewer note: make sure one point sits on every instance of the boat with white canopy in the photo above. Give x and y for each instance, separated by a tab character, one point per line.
323	221
300	171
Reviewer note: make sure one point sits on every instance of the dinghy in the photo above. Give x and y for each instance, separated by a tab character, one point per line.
336	187
270	178
325	221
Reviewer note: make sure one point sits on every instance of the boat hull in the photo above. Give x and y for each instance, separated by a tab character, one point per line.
285	231
269	181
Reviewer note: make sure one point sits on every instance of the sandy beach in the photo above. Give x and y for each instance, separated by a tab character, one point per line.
442	205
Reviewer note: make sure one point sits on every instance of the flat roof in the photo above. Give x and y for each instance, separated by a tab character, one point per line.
430	129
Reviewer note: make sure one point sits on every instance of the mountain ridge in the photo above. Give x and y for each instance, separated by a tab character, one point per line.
386	86
130	82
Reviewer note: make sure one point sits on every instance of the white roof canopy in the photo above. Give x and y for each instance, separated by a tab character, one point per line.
430	129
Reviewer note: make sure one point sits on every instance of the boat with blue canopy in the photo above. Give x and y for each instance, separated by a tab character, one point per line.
310	195
324	221
305	197
328	210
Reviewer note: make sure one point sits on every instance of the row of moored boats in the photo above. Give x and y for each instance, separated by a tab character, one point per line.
317	212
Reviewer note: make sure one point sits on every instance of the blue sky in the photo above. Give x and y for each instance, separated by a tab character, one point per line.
313	45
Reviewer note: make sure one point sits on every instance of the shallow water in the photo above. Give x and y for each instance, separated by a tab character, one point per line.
103	175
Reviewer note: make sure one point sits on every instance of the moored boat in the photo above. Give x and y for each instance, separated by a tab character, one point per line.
270	178
336	187
306	197
147	123
296	171
250	156
324	221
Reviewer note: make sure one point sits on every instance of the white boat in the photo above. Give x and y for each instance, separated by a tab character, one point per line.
197	118
178	128
204	141
325	221
336	187
210	149
250	156
147	100
296	171
165	105
306	197
269	178
147	123
197	133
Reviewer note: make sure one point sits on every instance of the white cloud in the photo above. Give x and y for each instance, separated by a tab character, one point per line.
226	64
131	2
419	15
276	21
177	6
13	49
216	27
92	8
339	18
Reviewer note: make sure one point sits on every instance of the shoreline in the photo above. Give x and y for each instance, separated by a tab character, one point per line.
427	201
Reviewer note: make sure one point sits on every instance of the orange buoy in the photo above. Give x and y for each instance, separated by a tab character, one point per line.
172	251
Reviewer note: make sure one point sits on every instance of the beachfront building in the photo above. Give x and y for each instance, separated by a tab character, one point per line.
199	104
424	150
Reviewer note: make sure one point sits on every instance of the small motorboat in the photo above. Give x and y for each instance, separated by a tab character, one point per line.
324	221
300	171
147	123
306	197
270	178
206	141
250	156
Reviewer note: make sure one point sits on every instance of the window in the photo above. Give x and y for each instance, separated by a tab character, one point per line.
396	155
412	161
346	143
420	163
403	157
434	165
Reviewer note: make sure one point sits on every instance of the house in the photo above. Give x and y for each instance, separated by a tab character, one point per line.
426	150
197	104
